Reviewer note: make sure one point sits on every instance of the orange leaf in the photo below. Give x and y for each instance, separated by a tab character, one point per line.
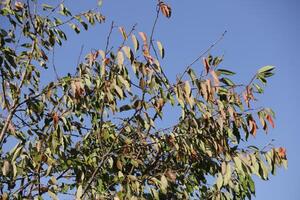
269	118
281	152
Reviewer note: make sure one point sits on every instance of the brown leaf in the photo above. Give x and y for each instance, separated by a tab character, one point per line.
159	103
252	126
19	5
165	9
119	165
215	77
78	89
206	65
38	146
269	118
55	119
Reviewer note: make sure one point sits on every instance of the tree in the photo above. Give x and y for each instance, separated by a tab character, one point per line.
93	134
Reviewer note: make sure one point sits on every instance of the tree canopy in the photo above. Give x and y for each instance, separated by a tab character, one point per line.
94	135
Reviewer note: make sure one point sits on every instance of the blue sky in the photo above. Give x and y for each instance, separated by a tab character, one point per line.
260	32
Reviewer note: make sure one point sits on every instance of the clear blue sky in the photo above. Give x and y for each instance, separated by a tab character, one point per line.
260	32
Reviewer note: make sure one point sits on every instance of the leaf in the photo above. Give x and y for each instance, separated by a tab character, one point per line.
269	118
161	49
6	168
122	30
47	7
258	88
225	72
252	126
206	65
187	88
227	81
79	192
164	184
238	163
100	2
219	181
120	58
119	91
135	42
52	195
265	69
281	152
128	53
215	78
144	37
165	9
75	28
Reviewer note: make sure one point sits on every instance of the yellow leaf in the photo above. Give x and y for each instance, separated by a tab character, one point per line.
136	44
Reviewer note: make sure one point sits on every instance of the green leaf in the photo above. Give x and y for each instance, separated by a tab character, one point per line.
75	28
47	7
265	69
100	2
85	26
227	81
225	72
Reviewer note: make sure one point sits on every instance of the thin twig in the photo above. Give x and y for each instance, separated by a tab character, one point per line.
95	173
203	54
108	37
53	63
80	53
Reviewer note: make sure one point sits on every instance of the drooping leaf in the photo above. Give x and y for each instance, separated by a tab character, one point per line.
161	49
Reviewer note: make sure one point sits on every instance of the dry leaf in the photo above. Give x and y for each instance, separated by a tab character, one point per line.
144	37
281	152
252	126
122	30
165	9
269	118
55	119
206	65
215	77
19	5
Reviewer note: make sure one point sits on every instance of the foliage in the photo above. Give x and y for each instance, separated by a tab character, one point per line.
93	135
